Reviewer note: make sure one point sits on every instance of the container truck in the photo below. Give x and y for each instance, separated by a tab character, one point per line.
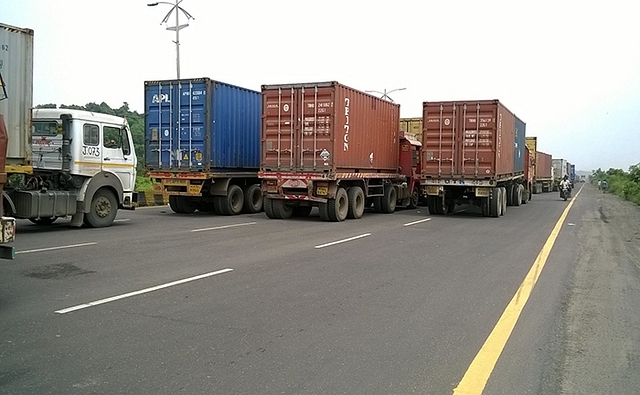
330	146
411	127
202	145
59	162
572	174
473	152
560	169
544	172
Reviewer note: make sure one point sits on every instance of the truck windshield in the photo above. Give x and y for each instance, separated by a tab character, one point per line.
46	128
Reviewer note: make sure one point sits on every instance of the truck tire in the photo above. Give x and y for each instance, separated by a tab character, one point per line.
356	202
338	208
517	195
268	208
388	202
102	210
495	204
232	203
414	200
323	209
503	191
282	209
510	194
181	205
253	199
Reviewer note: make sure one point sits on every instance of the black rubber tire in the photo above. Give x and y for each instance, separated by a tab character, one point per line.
414	199
338	208
389	200
517	195
268	208
495	204
253	199
510	195
43	221
282	209
181	205
102	210
356	202
323	209
504	201
232	203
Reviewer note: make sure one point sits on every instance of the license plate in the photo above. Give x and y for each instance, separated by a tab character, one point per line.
433	190
322	191
483	192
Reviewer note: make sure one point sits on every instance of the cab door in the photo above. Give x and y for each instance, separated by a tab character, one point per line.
118	156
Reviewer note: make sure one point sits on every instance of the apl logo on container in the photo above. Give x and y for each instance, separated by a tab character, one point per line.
161	98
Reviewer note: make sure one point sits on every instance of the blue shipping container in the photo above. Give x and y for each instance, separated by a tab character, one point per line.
201	125
519	150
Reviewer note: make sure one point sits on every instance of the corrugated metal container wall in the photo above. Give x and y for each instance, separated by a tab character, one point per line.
413	126
532	144
16	67
201	125
519	150
543	165
467	139
328	127
559	167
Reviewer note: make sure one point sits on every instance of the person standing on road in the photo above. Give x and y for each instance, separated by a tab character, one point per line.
599	184
604	186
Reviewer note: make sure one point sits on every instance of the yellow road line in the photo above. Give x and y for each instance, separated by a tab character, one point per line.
475	379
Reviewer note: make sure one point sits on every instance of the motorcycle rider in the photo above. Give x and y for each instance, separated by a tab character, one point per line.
565	183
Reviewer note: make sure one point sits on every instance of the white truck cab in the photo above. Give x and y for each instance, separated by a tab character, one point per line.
84	165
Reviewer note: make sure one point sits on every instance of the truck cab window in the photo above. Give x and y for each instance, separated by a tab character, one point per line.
111	137
91	135
126	148
46	128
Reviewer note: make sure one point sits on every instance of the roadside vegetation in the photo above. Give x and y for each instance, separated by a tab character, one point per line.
625	184
136	123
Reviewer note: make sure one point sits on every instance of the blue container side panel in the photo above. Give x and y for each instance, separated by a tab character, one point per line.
235	142
203	125
519	144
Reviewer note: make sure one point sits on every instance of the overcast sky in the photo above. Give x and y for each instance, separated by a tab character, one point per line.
569	69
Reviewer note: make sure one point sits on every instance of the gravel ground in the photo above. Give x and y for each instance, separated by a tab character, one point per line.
602	318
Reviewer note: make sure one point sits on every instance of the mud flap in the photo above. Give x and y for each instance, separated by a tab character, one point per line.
77	220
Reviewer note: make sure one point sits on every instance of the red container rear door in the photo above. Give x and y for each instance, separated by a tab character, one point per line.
297	128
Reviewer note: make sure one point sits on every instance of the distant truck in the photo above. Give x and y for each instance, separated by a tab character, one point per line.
544	172
330	146
572	173
560	169
473	152
202	145
58	162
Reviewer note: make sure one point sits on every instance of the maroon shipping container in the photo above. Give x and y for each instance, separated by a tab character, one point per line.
327	128
468	140
544	165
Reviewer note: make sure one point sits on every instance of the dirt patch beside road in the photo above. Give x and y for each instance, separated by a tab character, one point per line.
602	317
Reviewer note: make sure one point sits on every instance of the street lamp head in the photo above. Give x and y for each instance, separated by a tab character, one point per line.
152	4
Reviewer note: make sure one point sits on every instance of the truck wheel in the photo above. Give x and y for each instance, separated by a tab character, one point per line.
503	191
43	221
282	209
230	204
495	204
181	205
517	195
102	210
268	208
389	199
324	211
253	199
338	208
510	189
414	200
356	202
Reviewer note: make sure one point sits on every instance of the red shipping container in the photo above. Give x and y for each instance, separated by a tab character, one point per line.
468	140
544	164
329	128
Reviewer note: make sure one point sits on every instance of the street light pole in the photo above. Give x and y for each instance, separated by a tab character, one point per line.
385	94
175	7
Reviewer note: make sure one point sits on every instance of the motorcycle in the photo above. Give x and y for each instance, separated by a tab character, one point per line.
565	192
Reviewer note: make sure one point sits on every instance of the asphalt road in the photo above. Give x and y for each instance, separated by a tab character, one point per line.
162	303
